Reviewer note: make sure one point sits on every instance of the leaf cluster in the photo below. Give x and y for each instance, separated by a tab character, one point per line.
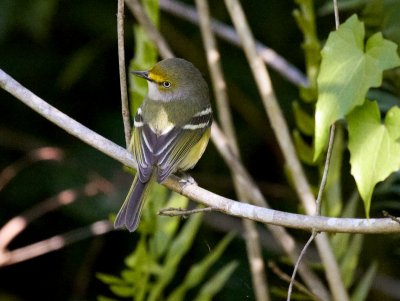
152	268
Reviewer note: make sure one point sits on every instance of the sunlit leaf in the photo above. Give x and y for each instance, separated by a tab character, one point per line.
332	204
348	69
304	150
304	120
374	147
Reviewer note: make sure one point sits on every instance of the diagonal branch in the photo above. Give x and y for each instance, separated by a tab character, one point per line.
192	191
254	252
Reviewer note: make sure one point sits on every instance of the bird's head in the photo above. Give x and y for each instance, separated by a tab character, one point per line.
174	79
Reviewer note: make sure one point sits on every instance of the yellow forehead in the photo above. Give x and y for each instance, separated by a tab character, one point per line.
156	76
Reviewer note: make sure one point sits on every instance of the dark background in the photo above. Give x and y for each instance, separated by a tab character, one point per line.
66	53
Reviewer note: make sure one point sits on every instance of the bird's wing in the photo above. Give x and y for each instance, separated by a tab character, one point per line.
168	150
142	145
173	147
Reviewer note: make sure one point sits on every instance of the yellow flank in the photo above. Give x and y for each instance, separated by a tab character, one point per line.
196	152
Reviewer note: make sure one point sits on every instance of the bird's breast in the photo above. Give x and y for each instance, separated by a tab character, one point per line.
160	122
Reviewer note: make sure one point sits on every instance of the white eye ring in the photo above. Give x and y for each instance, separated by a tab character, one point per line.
166	84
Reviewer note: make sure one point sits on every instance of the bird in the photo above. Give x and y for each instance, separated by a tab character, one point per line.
171	130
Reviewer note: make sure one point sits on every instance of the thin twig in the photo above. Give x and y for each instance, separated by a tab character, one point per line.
184	212
318	206
394	218
122	73
194	192
144	20
227	33
296	266
285	277
336	11
54	243
17	224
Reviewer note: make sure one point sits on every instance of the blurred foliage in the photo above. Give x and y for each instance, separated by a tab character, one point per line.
155	262
66	52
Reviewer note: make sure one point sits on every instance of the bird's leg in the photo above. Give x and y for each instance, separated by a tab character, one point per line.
185	179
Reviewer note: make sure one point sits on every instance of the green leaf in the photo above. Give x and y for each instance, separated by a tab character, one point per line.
304	121
348	69
166	226
214	285
361	291
122	290
332	205
109	279
304	150
350	260
198	271
179	247
374	150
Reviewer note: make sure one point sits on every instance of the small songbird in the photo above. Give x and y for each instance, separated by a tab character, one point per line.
171	130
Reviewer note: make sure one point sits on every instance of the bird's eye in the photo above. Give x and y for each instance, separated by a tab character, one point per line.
166	84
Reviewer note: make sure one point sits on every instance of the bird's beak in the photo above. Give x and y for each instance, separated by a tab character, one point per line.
142	74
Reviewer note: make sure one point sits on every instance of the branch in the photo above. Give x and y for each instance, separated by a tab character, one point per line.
192	191
254	252
17	224
122	73
54	243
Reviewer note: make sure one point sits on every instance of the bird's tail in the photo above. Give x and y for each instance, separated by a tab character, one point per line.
129	214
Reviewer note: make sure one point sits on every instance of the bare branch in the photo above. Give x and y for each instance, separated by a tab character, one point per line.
19	223
253	245
122	73
192	191
54	243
